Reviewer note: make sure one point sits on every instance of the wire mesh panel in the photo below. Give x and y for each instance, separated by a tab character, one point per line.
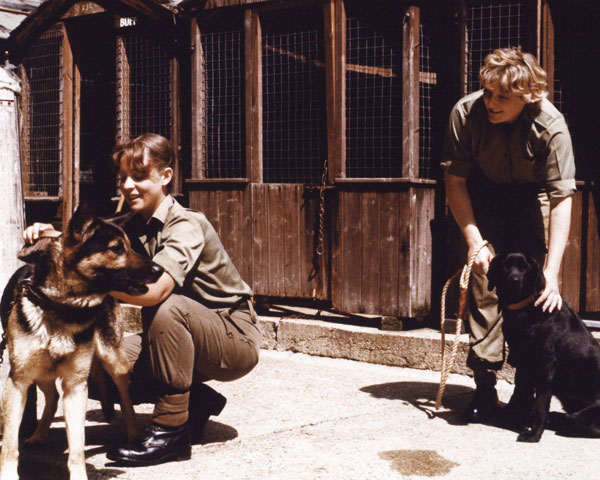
223	133
426	81
374	90
43	152
493	24
150	86
294	104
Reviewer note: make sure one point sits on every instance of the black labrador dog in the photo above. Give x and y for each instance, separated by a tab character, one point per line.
553	353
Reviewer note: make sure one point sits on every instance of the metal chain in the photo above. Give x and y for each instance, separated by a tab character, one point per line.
321	241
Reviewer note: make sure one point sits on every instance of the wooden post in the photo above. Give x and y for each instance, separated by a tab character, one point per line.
198	103
338	166
410	93
68	180
253	48
123	120
547	46
11	193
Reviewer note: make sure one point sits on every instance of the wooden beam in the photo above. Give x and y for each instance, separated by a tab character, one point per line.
464	46
198	102
176	187
338	166
76	132
66	132
410	92
547	47
83	8
122	107
253	77
330	85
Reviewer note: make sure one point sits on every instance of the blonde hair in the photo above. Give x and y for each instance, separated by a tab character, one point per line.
516	73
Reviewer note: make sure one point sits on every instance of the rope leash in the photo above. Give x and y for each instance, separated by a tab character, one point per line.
447	363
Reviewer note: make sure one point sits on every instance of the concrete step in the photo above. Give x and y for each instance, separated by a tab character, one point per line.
330	334
282	330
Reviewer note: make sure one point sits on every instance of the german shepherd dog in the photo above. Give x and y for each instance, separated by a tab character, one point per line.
60	317
553	353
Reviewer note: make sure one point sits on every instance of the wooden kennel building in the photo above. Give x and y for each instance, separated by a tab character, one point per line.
308	131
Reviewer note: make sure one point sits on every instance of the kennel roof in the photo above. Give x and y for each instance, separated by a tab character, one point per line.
50	11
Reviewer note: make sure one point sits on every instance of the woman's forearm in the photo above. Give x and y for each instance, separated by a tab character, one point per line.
462	210
558	232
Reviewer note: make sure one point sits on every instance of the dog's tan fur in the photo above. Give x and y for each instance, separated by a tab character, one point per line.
61	317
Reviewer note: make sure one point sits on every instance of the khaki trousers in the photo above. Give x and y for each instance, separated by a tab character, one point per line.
511	218
184	341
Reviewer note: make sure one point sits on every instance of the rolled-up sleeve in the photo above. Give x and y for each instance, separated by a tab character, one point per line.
560	161
456	156
180	248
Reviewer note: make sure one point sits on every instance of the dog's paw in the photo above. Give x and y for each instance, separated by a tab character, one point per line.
529	437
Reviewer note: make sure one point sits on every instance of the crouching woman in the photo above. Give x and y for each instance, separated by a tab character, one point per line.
198	321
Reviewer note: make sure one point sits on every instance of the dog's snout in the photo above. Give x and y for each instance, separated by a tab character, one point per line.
514	279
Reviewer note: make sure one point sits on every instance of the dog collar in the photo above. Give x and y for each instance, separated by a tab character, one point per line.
522	304
40	299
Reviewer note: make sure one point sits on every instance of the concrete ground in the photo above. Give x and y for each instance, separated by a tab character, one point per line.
298	416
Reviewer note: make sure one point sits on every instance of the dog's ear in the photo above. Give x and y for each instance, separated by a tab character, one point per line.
35	252
79	223
493	272
540	280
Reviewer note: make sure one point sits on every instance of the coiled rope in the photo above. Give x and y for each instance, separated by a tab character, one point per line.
447	363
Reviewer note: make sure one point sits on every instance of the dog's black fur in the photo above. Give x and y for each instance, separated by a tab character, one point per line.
553	353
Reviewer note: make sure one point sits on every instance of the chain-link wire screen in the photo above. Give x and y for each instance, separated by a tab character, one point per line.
42	130
150	86
294	100
374	90
493	24
427	79
223	141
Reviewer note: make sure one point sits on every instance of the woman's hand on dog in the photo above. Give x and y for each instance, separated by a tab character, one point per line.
550	297
482	261
32	232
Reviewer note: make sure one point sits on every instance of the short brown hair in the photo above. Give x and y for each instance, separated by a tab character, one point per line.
143	152
516	73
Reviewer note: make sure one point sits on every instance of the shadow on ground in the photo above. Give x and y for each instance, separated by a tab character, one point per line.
422	396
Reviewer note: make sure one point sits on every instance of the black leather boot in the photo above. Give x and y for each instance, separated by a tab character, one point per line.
158	444
204	403
484	404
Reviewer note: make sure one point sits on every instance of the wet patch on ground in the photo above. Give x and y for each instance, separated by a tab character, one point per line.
427	463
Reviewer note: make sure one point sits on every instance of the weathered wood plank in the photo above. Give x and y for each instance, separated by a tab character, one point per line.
66	131
292	240
338	273
592	266
260	236
410	93
389	251
198	99
253	99
405	251
370	254
570	274
351	230
422	248
338	165
275	238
